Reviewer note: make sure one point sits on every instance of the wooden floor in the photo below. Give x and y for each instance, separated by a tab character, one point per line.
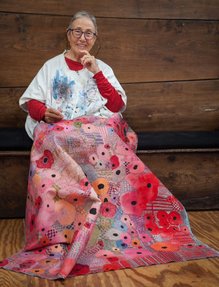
200	273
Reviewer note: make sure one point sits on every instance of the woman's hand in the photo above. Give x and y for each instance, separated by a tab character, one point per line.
89	62
52	116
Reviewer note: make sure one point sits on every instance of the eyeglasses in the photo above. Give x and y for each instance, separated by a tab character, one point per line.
77	33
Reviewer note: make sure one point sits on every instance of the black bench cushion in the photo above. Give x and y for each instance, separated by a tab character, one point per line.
173	140
16	139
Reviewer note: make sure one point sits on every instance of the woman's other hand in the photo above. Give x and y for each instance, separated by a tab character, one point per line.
89	62
52	116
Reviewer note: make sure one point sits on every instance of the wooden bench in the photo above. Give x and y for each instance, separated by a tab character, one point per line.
166	57
186	162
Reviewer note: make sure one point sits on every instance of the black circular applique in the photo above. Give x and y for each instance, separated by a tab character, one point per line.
100	186
93	211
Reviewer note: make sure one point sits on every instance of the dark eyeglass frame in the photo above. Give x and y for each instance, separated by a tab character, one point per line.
92	34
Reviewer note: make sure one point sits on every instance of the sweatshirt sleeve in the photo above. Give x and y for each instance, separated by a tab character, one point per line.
114	100
36	109
103	79
37	90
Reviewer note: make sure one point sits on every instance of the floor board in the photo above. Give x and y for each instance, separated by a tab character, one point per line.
195	273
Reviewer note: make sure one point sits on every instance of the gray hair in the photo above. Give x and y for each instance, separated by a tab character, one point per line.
81	14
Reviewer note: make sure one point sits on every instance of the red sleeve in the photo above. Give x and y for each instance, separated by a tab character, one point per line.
36	109
115	102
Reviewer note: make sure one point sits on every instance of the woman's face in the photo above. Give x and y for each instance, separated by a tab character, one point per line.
80	44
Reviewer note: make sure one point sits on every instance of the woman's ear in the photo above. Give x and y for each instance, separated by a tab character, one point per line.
68	34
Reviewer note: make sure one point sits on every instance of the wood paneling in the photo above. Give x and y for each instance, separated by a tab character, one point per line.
168	106
173	106
11	114
13	185
160	50
146	50
191	177
194	273
176	9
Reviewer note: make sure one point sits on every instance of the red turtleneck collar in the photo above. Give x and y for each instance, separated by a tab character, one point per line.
73	65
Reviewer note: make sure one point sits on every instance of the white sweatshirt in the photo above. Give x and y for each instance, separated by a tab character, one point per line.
73	93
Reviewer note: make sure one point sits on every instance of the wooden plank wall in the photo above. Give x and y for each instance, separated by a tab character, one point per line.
189	177
165	54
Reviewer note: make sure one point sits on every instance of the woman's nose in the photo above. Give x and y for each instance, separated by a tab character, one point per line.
82	37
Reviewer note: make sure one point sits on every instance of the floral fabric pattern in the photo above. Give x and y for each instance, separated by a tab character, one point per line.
94	206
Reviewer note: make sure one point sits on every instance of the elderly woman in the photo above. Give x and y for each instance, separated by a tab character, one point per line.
74	83
92	205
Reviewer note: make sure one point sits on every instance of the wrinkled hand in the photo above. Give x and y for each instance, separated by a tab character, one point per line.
89	62
52	116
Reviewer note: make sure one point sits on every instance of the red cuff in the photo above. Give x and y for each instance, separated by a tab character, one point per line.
36	109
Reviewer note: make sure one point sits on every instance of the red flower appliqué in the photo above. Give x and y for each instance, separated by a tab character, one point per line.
108	209
148	187
46	161
4	262
131	203
32	222
38	202
114	160
80	269
168	219
168	223
111	267
58	128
